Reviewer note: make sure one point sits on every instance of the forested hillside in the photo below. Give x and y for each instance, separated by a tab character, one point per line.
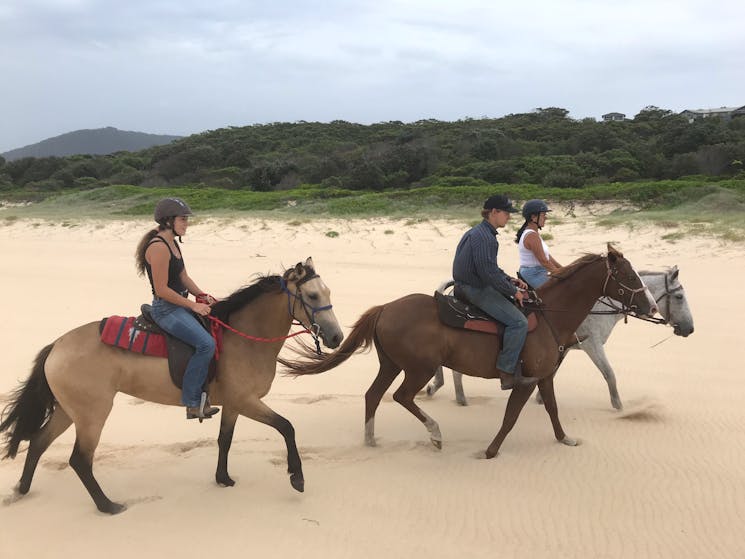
544	147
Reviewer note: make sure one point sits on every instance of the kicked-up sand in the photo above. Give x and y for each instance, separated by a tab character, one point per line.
663	478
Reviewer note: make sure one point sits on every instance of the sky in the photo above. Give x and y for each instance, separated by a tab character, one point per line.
186	66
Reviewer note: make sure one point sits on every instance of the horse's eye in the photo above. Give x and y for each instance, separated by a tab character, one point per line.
679	297
313	297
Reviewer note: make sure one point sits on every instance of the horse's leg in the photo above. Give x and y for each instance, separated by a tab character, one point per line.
597	354
88	426
412	384
460	396
546	389
515	404
224	440
259	411
57	424
386	375
438	381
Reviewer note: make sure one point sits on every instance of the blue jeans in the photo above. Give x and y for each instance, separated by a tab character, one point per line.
179	322
534	276
502	309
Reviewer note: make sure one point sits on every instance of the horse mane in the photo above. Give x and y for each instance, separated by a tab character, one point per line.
568	270
249	293
245	295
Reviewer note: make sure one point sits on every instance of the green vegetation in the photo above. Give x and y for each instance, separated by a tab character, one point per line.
544	147
685	177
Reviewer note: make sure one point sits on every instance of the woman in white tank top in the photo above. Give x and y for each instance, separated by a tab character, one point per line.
535	260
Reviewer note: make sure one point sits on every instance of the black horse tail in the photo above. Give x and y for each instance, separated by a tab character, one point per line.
359	340
30	406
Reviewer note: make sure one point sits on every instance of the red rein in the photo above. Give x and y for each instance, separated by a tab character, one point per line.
217	325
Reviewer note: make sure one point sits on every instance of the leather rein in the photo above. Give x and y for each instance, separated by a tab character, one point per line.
626	308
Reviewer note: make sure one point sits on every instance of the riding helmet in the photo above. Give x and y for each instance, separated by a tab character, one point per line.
171	207
534	207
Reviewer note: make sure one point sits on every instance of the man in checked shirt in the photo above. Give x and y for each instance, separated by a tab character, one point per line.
479	278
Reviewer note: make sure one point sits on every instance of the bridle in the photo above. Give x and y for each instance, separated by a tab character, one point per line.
626	308
293	298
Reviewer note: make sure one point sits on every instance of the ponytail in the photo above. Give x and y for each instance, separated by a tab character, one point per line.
142	248
520	232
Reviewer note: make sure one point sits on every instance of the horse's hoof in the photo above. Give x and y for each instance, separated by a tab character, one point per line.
438	444
370	441
617	405
225	481
570	441
113	508
489	454
297	482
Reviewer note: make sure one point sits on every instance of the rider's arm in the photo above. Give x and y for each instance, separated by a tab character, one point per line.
533	244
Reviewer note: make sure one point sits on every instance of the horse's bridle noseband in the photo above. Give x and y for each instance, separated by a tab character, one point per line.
626	307
314	328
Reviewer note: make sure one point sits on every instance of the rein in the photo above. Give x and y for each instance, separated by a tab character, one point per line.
626	308
216	324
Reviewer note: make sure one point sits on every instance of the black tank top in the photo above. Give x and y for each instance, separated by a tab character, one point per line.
175	267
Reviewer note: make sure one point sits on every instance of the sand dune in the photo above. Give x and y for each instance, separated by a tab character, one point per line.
663	478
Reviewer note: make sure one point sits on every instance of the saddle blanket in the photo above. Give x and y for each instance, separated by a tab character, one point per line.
120	331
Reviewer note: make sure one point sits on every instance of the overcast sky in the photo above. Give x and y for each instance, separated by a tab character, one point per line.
185	66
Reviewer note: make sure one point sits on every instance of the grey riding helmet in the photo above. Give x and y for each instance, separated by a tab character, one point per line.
171	207
534	207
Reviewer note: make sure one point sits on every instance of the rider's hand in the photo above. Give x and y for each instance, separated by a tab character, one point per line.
520	296
201	309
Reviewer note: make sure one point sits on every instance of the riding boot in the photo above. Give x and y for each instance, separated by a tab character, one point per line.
509	381
203	411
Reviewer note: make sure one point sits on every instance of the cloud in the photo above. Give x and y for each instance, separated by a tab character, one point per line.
185	66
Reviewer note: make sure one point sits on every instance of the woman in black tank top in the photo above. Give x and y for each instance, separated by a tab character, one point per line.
160	258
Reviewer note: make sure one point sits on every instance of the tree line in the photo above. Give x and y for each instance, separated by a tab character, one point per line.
543	147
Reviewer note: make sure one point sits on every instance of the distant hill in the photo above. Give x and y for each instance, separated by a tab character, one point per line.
99	141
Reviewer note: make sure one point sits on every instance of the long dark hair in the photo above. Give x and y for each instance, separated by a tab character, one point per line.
521	230
142	247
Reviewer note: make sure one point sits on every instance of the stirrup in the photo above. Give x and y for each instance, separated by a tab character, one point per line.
204	411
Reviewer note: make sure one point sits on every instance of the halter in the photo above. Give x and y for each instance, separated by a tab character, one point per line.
667	294
314	327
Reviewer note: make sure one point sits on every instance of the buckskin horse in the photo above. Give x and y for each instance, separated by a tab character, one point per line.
75	378
595	330
408	335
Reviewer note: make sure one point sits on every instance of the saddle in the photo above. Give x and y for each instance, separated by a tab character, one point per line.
455	311
142	335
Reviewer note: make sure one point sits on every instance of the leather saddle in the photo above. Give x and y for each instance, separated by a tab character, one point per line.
455	311
179	352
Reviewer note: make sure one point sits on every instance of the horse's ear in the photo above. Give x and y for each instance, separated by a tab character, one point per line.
309	263
612	251
674	273
299	270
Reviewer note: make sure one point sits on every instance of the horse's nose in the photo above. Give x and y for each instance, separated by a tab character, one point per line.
333	342
653	310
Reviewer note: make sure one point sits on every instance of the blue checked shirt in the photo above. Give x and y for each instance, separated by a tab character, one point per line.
475	262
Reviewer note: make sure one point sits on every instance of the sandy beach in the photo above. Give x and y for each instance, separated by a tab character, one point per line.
662	478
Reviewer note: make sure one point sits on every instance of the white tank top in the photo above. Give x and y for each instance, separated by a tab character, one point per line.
527	258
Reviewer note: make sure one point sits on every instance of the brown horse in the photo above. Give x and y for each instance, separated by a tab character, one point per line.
409	336
75	378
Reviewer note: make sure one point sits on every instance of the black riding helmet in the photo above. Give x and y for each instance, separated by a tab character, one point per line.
171	207
534	207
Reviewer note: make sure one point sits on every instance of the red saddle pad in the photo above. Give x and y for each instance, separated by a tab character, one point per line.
119	331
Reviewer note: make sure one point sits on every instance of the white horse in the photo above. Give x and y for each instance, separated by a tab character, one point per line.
597	327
